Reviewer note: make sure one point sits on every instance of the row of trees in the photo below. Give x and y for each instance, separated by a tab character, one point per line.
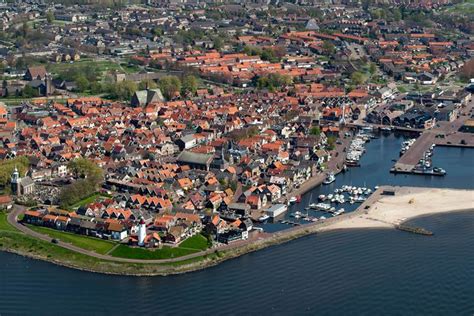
271	54
89	177
88	79
273	81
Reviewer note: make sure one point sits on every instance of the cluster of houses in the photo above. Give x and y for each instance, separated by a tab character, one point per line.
108	221
420	110
213	160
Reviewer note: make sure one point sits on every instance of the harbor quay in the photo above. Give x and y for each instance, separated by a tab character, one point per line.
412	161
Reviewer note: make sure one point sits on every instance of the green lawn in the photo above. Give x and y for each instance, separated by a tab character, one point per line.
89	199
196	242
88	243
166	252
101	65
4	225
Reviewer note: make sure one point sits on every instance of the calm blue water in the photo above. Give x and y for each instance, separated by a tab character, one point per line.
371	272
341	272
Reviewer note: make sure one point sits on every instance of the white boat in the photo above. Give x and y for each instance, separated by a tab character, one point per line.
329	179
322	197
359	199
323	206
292	199
263	218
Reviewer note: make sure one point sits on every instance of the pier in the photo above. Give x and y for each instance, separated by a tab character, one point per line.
414	230
444	134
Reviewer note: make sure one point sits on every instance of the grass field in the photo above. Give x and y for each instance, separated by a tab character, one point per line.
166	252
196	242
89	199
4	225
465	8
88	243
100	65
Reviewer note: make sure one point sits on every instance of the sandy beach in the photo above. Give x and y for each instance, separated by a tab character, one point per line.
407	203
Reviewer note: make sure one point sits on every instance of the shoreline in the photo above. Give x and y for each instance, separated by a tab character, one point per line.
405	205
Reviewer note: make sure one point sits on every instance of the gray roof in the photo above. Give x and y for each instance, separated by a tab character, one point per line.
26	181
194	158
145	97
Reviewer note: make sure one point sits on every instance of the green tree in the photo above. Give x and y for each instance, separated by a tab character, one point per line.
50	16
358	78
8	165
218	43
328	48
397	14
272	81
25	29
88	176
82	83
315	130
147	84
29	92
123	90
170	86
331	142
372	69
190	85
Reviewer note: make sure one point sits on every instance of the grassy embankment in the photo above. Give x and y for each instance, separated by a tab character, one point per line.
88	243
96	197
12	240
189	246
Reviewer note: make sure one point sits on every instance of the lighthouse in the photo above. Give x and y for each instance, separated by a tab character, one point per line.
141	232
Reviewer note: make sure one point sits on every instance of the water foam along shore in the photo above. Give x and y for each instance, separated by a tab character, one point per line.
385	211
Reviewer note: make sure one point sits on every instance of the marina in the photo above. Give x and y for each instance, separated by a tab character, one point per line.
376	164
416	153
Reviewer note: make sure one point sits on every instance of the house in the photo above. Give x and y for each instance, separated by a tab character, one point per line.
242	209
273	192
152	240
427	78
62	222
175	234
232	235
384	93
3	111
187	142
6	202
36	73
33	217
117	230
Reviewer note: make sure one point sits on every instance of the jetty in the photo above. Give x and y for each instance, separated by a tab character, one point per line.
443	134
414	230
